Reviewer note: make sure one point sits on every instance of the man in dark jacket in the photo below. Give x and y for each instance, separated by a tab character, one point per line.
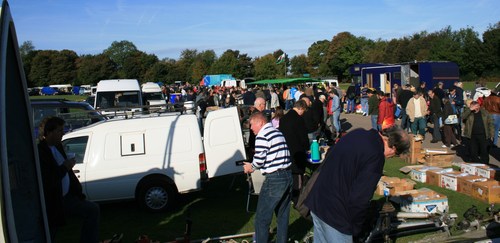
341	195
435	112
62	190
351	98
293	127
403	99
438	90
311	118
249	97
478	127
373	102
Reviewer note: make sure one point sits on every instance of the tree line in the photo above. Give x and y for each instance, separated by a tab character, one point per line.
478	58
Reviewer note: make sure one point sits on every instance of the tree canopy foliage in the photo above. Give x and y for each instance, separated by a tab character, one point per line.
478	56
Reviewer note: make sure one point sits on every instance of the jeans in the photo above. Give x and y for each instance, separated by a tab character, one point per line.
479	149
324	233
288	104
86	210
274	196
364	105
336	121
418	126
405	120
436	133
496	123
374	119
351	103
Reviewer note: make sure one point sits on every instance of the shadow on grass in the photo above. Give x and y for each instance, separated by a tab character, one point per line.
463	151
344	125
217	210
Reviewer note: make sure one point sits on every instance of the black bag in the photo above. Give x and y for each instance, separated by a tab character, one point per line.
304	192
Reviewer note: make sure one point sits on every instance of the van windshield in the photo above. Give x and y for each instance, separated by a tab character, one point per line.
153	96
117	99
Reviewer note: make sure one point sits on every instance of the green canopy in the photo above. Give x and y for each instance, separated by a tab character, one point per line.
286	81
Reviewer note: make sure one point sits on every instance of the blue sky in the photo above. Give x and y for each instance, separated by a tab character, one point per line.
256	27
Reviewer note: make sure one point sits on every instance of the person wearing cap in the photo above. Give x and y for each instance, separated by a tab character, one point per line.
478	127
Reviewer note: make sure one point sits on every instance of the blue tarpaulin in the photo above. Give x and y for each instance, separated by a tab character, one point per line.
48	91
211	80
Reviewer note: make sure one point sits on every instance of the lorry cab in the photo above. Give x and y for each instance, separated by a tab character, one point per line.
118	96
152	159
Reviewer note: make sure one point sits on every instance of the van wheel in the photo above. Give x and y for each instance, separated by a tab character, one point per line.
156	195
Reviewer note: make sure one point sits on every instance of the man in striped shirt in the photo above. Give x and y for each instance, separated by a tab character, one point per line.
272	158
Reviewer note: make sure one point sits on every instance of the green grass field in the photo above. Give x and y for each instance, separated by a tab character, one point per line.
67	97
219	210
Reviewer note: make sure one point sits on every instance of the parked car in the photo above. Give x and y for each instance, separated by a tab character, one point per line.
76	114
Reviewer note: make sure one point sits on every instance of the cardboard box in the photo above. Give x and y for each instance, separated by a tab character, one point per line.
487	191
488	172
423	200
394	185
384	182
415	151
419	174
469	168
465	183
434	176
438	157
450	180
403	185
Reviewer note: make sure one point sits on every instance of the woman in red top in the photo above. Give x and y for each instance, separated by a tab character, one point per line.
385	113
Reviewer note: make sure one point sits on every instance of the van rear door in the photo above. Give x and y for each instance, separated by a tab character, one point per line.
223	142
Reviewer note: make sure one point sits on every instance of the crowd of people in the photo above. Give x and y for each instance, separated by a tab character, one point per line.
284	121
446	116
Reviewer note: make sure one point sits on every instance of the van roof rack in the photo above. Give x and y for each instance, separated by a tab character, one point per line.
50	99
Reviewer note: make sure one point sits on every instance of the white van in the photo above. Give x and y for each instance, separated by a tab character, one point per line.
233	83
153	158
85	89
330	82
152	96
118	96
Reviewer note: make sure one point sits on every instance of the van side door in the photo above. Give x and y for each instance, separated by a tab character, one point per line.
223	142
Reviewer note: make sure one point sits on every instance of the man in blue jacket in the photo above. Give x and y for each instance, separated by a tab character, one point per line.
341	196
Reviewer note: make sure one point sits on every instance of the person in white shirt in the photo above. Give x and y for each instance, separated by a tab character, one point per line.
417	111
